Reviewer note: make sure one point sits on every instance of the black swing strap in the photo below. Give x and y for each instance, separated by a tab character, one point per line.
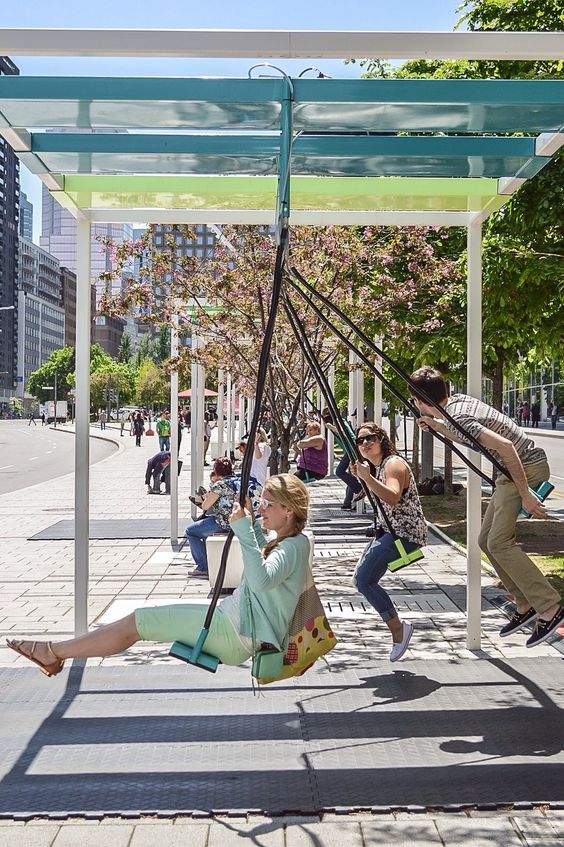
402	374
348	444
393	390
261	380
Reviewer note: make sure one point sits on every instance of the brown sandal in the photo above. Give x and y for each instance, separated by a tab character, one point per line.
52	669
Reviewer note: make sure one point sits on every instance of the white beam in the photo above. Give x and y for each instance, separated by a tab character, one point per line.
548	143
335	44
259	217
474	388
173	470
219	409
82	429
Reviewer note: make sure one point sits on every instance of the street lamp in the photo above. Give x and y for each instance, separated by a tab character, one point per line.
54	388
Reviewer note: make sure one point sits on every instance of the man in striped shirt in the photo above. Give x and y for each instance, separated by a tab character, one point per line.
536	599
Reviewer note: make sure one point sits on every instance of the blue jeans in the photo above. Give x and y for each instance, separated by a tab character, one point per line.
372	567
164	442
196	533
352	483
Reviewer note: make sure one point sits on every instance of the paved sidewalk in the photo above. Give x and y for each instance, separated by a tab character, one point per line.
115	738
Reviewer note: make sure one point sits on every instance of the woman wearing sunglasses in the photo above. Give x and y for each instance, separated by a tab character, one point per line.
390	478
273	578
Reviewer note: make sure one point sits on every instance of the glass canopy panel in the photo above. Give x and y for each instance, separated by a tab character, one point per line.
336	105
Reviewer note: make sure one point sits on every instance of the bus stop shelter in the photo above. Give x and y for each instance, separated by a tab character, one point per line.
254	150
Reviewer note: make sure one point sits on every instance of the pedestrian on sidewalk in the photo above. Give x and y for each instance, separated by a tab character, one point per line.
260	610
261	457
44	421
163	430
527	465
207	436
103	419
155	466
393	483
138	426
535	414
554	413
32	419
354	490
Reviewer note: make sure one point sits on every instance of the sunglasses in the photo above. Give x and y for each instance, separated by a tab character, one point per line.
368	439
265	504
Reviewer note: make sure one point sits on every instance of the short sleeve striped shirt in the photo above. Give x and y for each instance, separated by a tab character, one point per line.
475	416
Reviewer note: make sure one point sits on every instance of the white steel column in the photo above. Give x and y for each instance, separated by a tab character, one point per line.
233	411
329	434
474	388
197	435
241	416
378	386
352	398
359	394
82	428
229	415
219	409
173	470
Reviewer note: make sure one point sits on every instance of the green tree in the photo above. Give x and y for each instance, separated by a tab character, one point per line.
151	387
60	362
523	267
125	351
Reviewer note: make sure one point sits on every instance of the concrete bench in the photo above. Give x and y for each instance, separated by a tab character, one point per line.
234	571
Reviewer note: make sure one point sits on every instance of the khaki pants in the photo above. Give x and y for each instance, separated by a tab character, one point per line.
518	573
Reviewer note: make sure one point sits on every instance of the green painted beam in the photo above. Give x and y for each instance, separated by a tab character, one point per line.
108	192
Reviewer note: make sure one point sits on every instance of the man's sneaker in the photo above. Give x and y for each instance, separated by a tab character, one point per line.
200	574
346	508
518	621
544	629
399	648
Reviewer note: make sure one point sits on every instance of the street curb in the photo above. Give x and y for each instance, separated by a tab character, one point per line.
487	568
548	433
119	445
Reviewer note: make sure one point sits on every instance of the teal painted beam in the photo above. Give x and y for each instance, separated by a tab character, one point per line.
320	145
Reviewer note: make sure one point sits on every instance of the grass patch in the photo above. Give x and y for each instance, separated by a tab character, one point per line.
542	540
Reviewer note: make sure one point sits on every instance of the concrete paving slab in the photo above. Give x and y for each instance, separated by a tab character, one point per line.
226	833
190	835
318	835
536	830
486	832
413	833
28	836
88	835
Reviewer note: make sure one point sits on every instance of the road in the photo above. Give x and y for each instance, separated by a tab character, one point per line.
32	454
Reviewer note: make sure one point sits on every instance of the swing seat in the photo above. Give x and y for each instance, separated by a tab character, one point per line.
404	558
194	655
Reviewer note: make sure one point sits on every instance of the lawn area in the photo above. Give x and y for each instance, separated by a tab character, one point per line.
543	540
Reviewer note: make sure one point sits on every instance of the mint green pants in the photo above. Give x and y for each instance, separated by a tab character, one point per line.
184	621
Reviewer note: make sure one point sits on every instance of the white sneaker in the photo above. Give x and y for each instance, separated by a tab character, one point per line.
399	649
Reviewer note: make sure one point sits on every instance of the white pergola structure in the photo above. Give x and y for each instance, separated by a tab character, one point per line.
390	152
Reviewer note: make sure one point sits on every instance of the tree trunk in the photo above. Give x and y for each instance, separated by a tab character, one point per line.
273	464
285	450
415	453
448	469
497	382
392	419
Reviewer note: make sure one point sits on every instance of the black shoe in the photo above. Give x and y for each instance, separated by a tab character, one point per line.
518	621
544	629
346	508
370	532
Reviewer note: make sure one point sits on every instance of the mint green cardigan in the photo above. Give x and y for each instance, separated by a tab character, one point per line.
273	584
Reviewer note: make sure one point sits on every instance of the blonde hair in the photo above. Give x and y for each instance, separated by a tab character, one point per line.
262	436
316	424
291	493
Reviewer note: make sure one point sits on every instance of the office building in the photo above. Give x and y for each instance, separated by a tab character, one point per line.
26	217
9	220
41	315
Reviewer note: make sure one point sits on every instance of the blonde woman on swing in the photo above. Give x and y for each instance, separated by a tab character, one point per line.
273	577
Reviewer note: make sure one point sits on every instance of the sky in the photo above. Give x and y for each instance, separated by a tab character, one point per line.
438	15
